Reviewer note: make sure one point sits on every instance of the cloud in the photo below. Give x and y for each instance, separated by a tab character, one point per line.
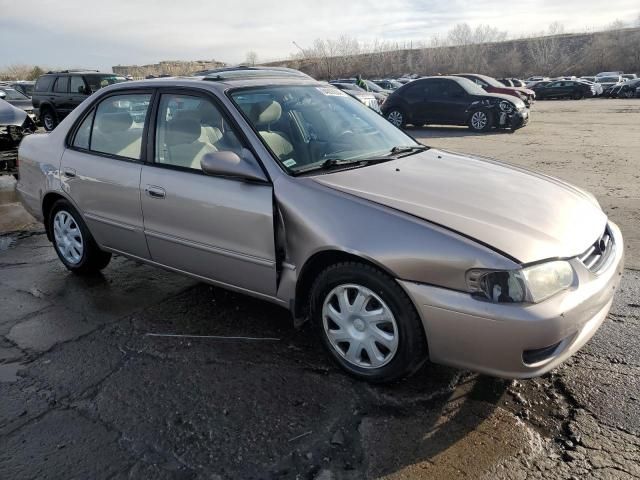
80	33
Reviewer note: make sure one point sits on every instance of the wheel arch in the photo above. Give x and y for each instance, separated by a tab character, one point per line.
318	262
49	199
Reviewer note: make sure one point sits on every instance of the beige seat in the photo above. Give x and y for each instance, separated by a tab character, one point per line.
183	138
264	114
113	133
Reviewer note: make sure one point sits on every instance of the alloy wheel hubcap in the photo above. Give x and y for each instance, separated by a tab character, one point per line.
68	237
479	120
360	326
48	121
395	118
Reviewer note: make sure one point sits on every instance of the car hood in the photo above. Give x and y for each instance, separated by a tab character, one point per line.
22	104
10	115
525	215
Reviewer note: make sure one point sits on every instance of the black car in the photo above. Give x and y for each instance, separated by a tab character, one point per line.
56	94
625	90
564	89
449	100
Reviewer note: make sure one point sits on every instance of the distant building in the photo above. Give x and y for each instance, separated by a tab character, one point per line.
167	67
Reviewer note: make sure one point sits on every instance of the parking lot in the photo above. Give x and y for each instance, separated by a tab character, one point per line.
129	374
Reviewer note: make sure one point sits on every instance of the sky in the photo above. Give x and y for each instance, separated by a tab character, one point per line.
75	33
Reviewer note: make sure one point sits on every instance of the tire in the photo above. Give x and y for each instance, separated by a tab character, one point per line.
480	120
579	95
385	350
73	242
397	117
49	119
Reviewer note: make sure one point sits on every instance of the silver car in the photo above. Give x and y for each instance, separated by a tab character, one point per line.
289	190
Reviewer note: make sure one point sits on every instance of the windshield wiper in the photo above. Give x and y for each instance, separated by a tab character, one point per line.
408	149
331	163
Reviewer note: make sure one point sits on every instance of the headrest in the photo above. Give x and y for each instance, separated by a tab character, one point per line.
117	122
183	129
264	113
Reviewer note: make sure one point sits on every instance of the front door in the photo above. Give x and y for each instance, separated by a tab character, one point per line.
217	228
101	173
448	101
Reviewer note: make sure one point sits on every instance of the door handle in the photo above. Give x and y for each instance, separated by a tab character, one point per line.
69	172
155	192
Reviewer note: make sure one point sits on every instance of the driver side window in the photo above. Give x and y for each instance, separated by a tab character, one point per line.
188	127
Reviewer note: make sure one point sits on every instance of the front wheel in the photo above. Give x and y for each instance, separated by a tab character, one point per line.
397	117
73	242
578	95
480	121
49	120
367	323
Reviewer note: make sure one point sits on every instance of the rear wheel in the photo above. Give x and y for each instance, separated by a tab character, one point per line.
397	117
480	120
73	242
49	119
367	323
578	95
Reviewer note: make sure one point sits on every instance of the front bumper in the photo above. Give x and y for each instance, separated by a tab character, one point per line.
516	119
495	338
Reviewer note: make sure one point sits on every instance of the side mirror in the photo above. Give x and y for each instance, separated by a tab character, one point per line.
2	95
229	164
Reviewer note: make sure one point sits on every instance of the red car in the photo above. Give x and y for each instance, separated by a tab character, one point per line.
492	85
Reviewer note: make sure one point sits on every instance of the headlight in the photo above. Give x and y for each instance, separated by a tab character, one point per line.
505	106
531	284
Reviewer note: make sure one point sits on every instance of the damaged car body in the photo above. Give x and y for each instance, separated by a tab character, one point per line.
15	123
289	190
450	100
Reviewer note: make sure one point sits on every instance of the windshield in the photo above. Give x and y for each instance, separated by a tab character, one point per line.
305	126
374	87
491	81
96	82
13	94
470	86
608	79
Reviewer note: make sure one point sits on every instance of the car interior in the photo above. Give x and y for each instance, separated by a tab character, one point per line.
308	128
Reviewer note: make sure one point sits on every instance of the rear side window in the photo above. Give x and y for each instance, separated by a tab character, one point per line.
43	84
115	127
77	85
62	85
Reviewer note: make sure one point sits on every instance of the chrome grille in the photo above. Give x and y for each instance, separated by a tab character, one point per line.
596	256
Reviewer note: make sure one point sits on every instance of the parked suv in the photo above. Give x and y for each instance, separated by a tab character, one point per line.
56	94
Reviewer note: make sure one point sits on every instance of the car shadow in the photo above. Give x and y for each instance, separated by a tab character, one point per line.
388	427
442	437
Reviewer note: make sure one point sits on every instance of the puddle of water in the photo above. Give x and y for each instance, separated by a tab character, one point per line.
8	190
6	241
9	372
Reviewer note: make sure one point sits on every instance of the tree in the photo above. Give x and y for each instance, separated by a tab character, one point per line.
251	58
35	73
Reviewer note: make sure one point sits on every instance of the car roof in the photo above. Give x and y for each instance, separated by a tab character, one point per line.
217	85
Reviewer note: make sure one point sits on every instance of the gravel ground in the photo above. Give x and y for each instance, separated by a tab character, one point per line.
88	391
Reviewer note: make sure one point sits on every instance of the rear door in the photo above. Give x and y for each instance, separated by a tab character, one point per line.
216	228
415	97
77	91
101	171
60	96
